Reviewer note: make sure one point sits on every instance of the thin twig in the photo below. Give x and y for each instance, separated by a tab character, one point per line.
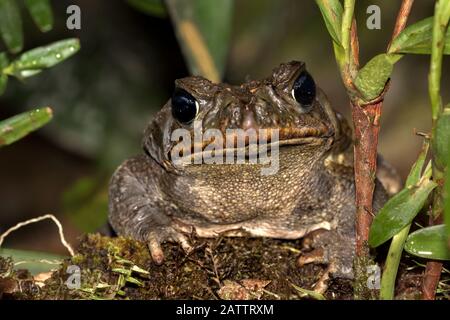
402	18
34	220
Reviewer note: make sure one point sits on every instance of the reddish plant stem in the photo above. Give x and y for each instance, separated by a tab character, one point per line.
431	280
367	126
402	18
433	270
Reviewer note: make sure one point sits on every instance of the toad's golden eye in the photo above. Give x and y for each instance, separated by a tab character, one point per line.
184	106
304	89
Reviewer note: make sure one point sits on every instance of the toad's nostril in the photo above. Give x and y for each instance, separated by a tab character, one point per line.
249	121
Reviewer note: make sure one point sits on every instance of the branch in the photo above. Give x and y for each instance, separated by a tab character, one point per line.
402	18
367	125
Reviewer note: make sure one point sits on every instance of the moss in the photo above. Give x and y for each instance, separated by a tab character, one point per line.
365	273
120	268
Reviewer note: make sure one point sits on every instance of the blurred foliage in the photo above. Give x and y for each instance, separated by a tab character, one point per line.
11	20
34	61
41	12
17	127
203	29
86	203
35	262
26	65
29	64
151	7
11	25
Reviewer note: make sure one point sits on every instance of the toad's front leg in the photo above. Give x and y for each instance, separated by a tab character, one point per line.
137	207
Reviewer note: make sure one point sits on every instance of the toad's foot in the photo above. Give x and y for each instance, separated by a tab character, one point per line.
332	249
156	237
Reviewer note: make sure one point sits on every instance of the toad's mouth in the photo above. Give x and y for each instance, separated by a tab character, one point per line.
249	142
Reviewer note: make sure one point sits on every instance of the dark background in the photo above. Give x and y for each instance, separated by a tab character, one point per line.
104	95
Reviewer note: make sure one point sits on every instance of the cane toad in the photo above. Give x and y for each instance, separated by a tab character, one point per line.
152	199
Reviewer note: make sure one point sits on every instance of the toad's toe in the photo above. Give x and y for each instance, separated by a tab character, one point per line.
315	256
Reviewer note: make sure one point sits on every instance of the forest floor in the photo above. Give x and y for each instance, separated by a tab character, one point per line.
223	268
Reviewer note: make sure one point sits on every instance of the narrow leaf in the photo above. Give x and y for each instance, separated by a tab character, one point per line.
441	143
372	78
3	77
308	293
203	28
150	7
41	12
398	212
35	262
447	191
417	168
17	127
387	288
11	25
430	242
332	15
417	39
134	281
33	61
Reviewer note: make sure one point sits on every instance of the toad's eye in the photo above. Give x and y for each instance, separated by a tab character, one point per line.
184	106
304	89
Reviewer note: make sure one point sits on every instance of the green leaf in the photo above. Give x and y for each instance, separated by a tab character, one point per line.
3	77
35	262
309	293
332	15
37	59
203	28
17	127
11	25
372	78
151	7
399	211
387	288
430	242
447	187
416	171
441	142
41	12
417	39
134	281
